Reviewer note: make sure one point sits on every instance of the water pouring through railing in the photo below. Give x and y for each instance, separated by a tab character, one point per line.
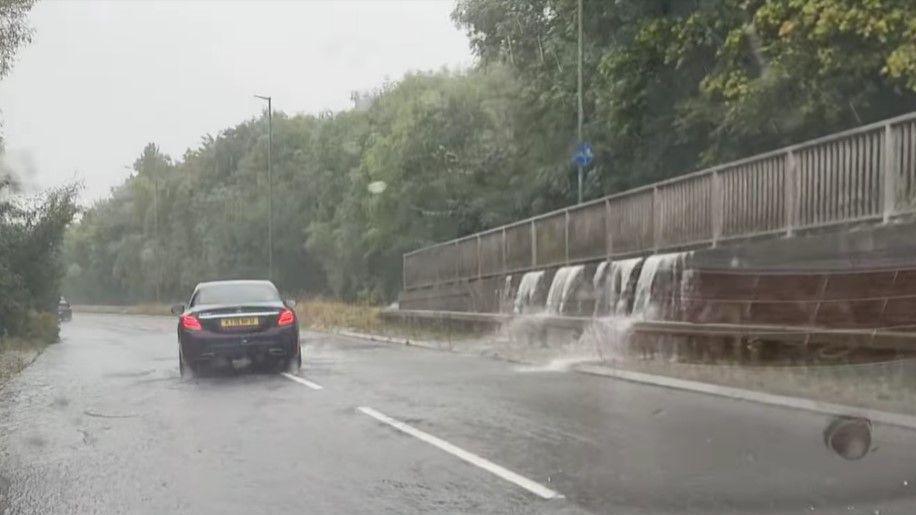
563	285
527	291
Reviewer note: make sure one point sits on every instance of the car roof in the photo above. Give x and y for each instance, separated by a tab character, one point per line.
235	282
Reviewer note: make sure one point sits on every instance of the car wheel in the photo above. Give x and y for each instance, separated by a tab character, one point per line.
291	365
186	369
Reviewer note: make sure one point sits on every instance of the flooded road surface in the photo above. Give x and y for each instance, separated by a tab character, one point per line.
103	423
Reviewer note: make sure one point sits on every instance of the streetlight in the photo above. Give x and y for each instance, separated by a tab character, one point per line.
579	83
270	190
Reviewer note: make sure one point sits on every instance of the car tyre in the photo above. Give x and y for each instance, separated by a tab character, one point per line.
291	365
186	369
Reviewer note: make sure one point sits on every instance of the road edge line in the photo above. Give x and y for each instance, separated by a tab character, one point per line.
388	339
785	401
467	456
306	382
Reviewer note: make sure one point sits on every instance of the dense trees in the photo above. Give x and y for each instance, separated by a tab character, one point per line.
31	228
670	86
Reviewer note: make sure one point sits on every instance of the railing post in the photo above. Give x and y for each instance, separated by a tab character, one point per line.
505	253
889	172
608	237
479	265
717	208
566	234
656	219
457	266
534	245
790	193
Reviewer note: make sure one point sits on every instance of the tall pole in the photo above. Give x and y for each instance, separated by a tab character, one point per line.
156	235
579	81
270	190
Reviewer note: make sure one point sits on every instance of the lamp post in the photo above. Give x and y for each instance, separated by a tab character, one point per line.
579	84
270	190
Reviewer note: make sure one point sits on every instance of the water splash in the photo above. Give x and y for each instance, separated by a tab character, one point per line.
527	290
609	337
555	365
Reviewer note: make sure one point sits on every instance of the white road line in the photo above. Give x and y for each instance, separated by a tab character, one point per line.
306	382
473	459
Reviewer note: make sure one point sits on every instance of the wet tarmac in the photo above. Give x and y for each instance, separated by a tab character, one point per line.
103	423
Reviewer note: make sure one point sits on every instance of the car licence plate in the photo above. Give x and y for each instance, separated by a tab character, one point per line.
229	323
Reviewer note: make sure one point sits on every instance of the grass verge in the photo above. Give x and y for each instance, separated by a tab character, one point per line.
319	315
137	309
16	354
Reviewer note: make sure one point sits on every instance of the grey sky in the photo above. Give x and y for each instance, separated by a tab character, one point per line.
102	79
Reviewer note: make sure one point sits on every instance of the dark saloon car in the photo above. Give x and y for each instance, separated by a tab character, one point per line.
64	312
235	320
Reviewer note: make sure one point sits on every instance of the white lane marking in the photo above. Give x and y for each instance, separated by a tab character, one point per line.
306	382
473	459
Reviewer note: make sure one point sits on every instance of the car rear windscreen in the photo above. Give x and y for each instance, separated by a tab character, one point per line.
236	294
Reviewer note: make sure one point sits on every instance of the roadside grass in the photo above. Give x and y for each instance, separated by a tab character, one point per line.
17	352
331	315
328	315
149	308
320	315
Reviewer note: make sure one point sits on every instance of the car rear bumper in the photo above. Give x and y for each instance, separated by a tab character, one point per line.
206	345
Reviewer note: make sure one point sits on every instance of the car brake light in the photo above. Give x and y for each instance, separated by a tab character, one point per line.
191	323
286	317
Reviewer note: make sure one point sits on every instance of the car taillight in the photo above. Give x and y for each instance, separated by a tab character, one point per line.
286	317
190	322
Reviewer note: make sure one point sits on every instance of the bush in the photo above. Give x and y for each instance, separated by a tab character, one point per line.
31	233
41	326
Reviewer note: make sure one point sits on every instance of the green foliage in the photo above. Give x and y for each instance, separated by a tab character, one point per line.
31	232
670	86
13	31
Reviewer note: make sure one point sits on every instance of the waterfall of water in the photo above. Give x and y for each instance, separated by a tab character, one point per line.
618	285
599	276
527	289
572	277
563	283
506	294
556	289
644	305
599	284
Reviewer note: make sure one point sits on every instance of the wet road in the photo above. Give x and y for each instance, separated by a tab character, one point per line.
102	423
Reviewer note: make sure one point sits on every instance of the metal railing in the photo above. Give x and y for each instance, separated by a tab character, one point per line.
863	174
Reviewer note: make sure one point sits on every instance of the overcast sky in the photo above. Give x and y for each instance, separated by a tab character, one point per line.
102	79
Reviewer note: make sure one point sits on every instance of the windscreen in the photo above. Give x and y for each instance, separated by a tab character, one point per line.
236	293
458	256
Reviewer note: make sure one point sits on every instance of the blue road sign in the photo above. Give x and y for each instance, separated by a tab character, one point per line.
583	155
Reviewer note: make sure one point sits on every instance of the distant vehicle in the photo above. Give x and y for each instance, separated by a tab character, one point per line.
234	320
64	312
